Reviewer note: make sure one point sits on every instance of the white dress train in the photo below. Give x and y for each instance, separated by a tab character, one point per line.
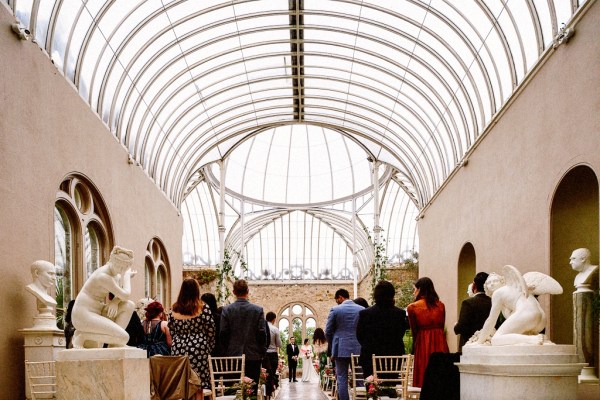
309	374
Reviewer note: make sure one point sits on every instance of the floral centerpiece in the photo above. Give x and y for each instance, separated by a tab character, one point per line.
244	389
375	390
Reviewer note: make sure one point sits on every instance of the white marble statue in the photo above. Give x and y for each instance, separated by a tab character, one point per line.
580	262
514	294
98	318
44	277
140	307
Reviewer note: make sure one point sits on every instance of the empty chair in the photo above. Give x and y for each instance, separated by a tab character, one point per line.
226	376
358	390
41	378
395	372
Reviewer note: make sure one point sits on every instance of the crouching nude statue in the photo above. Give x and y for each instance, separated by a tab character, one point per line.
514	295
97	320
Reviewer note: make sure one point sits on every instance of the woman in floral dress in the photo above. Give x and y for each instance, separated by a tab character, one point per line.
192	329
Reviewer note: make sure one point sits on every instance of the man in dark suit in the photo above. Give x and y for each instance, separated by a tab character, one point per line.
243	330
292	351
380	330
473	311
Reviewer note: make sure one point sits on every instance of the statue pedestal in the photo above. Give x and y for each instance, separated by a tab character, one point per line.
584	332
532	372
121	373
42	344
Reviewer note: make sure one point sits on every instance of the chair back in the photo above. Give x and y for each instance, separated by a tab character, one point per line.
41	378
358	390
393	372
225	372
172	377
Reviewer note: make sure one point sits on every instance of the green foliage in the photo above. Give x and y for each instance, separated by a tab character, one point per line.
380	262
224	275
404	293
204	276
60	306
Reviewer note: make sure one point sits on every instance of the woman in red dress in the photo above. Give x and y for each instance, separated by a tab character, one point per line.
427	316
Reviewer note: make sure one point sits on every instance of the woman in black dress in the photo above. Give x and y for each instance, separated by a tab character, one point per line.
192	329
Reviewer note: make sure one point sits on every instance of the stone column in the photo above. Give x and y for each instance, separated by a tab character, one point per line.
583	333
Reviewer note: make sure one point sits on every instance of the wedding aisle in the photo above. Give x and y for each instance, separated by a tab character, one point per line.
300	391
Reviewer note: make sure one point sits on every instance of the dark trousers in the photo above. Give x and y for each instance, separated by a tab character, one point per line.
271	366
252	370
292	364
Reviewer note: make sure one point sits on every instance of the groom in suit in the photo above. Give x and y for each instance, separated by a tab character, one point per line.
341	333
473	311
292	351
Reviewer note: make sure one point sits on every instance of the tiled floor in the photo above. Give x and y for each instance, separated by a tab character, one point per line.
300	391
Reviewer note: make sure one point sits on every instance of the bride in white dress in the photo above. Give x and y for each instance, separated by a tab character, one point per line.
309	374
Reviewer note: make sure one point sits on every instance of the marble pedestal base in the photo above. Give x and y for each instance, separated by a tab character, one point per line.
116	373
529	372
42	344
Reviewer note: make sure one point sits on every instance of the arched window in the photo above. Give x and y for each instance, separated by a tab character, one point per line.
82	237
157	272
301	318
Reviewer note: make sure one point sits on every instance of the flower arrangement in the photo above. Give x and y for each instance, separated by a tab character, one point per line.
372	386
244	389
263	377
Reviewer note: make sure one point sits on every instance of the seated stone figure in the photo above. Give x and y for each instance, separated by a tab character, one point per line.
96	319
515	296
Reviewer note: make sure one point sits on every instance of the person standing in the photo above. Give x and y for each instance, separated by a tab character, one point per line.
341	333
292	351
192	329
427	316
243	331
210	300
272	353
157	338
473	311
320	345
381	328
309	374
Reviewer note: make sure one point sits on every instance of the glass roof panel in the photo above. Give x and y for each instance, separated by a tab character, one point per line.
410	83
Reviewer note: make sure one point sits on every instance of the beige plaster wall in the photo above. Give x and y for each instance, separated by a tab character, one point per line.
46	133
501	201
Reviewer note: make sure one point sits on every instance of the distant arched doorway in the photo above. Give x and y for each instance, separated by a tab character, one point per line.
574	224
297	319
466	271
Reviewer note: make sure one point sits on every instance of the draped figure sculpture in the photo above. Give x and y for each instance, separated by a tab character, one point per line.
514	295
99	318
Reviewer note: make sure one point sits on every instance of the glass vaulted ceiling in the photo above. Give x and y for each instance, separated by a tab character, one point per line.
182	84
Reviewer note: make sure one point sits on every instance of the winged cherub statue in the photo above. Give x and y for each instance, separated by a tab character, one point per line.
514	295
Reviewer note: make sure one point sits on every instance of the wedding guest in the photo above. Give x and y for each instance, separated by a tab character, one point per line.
473	311
210	300
341	333
272	353
427	316
320	346
381	328
157	337
192	329
243	330
361	301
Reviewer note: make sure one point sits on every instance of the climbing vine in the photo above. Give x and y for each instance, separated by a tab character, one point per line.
203	276
224	275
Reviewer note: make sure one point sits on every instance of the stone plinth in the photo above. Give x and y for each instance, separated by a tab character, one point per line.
532	372
585	333
116	373
42	345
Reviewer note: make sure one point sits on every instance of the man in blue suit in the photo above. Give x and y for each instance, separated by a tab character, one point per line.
341	333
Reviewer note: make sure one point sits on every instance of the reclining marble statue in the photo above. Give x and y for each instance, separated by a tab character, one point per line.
514	295
97	318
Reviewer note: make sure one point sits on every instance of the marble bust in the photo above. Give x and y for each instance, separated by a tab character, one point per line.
580	262
102	309
44	277
514	295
